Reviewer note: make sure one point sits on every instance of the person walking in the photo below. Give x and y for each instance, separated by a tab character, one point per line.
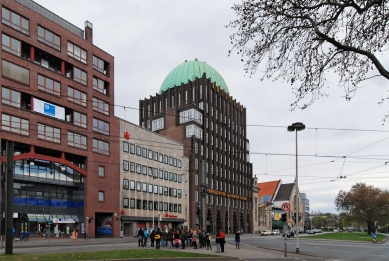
145	236
218	242
208	240
75	235
222	240
194	238
237	238
183	238
152	237
140	237
157	238
170	238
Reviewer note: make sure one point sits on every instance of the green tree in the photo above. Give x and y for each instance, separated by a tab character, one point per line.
363	203
319	222
301	41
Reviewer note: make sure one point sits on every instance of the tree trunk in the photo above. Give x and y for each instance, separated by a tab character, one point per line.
369	227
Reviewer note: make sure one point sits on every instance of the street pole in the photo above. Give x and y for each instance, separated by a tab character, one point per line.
9	198
298	126
86	227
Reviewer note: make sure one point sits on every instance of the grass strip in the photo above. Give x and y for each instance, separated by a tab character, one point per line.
104	255
352	236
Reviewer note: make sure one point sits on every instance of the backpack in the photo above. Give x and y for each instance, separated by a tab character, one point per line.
146	234
157	236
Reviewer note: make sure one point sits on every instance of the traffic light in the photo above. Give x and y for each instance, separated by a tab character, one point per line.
283	217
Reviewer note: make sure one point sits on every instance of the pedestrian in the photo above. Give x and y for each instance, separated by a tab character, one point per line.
26	235
208	240
194	238
157	238
152	237
190	237
140	237
237	238
183	238
222	240
145	236
170	238
13	232
218	242
75	235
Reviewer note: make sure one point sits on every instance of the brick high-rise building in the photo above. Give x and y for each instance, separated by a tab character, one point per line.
57	92
194	107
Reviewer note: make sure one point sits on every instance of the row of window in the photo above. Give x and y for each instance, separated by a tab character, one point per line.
218	200
51	39
152	172
151	205
21	126
152	155
13	98
151	188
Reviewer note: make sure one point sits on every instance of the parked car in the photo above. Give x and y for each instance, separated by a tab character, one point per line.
266	233
275	232
288	233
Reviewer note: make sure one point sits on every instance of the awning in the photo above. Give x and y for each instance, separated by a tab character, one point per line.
150	219
32	217
76	218
40	218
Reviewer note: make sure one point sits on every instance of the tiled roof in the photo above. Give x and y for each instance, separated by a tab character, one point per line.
267	190
284	192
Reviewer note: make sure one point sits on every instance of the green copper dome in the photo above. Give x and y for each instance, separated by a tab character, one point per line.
189	70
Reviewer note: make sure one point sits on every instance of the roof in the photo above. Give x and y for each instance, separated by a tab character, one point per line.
267	190
284	192
188	71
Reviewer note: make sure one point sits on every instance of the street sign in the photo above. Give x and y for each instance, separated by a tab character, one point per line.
285	206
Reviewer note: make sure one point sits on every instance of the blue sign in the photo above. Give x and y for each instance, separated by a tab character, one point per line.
49	109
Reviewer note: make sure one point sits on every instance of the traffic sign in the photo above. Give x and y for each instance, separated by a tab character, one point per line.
285	206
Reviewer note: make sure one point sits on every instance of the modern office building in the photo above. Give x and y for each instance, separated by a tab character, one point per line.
305	202
57	92
194	107
154	180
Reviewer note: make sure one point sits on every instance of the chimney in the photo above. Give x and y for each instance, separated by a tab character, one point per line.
89	31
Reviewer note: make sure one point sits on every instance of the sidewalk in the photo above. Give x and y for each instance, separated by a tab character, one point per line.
245	252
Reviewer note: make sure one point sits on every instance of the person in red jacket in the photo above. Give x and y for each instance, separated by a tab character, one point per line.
222	239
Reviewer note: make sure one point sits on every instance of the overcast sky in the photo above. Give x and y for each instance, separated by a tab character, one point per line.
150	38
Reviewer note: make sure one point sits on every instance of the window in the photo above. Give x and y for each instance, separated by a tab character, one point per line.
49	133
132	203
138	184
125	203
139	204
76	96
179	163
158	124
101	146
170	176
170	207
10	97
11	45
160	157
144	187
99	85
175	207
100	106
174	192
125	165
151	204
79	76
76	52
160	206
101	171
101	196
48	85
155	156
15	72
165	204
49	38
179	193
165	175
125	146
170	161
132	185
161	174
179	178
160	190
165	159
79	119
15	21
76	140
132	166
98	64
174	162
155	175
179	208
150	188
138	150
144	153
125	184
165	191
132	148
156	205
101	126
170	192
15	124
150	171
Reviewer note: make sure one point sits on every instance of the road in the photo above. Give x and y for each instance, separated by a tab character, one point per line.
336	250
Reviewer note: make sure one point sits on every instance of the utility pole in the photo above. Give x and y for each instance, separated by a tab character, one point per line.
9	198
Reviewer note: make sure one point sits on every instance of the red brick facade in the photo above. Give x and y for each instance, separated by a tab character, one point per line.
60	68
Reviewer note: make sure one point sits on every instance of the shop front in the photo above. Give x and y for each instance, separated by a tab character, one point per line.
131	224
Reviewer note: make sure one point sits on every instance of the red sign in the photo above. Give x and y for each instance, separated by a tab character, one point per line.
126	135
122	212
170	216
285	206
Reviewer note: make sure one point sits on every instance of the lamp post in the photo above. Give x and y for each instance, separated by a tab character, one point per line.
297	126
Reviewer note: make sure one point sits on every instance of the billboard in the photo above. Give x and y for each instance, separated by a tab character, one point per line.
48	109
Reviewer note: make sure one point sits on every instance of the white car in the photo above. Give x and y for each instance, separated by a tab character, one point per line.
275	232
266	233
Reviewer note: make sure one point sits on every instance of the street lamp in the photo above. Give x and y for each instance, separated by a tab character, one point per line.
297	126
